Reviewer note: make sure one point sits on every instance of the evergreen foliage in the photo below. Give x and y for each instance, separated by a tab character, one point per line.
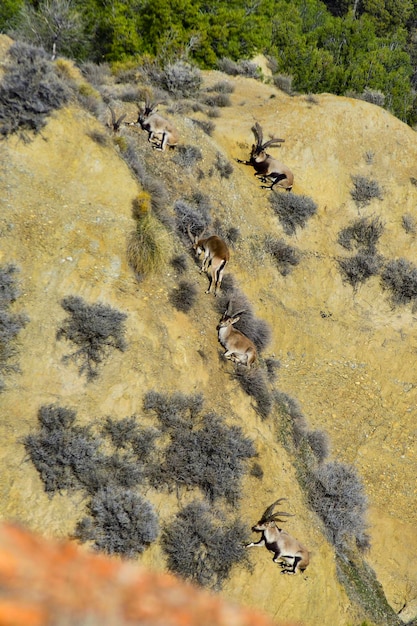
366	49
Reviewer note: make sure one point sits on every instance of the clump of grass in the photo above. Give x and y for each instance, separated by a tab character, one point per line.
10	323
201	451
122	522
223	166
337	495
230	234
184	296
239	68
148	243
219	100
362	234
95	329
65	455
203	547
222	86
409	224
358	268
179	263
319	443
284	83
254	383
285	256
364	190
256	471
188	156
206	126
272	365
29	90
195	217
399	277
292	210
181	79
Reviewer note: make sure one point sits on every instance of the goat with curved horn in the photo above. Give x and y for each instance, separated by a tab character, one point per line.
216	257
292	556
266	167
161	132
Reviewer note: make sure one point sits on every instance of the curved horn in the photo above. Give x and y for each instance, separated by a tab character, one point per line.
268	512
272	142
257	131
190	234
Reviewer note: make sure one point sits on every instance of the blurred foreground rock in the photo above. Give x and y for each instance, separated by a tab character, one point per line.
43	582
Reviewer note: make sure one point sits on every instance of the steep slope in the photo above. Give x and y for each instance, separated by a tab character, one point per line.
346	356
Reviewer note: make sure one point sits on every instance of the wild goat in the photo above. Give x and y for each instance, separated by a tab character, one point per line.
161	132
289	552
216	257
239	348
267	168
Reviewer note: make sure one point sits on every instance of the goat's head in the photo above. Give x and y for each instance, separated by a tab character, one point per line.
146	111
269	518
195	241
258	151
228	319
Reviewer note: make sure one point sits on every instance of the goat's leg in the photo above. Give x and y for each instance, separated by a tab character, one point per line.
257	544
293	569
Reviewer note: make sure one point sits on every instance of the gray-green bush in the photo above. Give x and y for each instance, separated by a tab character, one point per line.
121	522
95	329
364	190
399	277
29	90
202	546
293	211
202	451
10	323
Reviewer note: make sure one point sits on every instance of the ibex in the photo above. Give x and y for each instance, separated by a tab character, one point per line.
161	133
216	257
266	167
289	552
239	348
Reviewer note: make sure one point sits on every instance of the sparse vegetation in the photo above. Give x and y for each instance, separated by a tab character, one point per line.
399	277
255	384
409	224
188	156
364	190
179	263
285	256
180	79
29	91
147	246
222	86
202	546
362	234
206	126
239	68
95	329
184	296
122	522
10	323
217	100
292	210
284	83
336	493
196	218
202	451
223	166
358	268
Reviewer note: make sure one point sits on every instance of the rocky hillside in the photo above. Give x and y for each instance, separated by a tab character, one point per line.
345	347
